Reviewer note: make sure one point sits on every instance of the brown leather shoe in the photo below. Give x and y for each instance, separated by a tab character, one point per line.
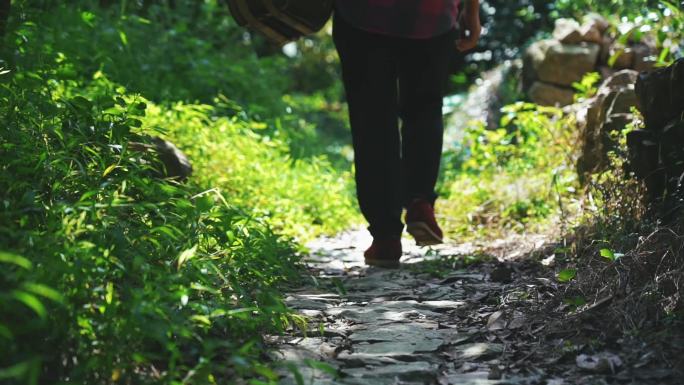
384	253
421	223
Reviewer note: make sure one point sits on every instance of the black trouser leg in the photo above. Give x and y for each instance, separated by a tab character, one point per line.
423	72
372	67
369	71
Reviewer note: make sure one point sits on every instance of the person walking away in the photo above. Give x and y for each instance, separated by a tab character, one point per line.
395	62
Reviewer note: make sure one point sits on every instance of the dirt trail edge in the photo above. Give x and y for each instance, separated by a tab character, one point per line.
437	320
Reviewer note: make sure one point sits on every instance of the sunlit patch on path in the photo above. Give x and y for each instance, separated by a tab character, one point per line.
467	314
420	324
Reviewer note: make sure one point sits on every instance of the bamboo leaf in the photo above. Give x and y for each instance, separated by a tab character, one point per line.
15	259
566	275
30	301
43	291
186	255
109	170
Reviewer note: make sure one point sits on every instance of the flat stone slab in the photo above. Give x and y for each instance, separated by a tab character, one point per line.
471	351
394	327
307	303
473	378
396	332
397	311
398	348
409	371
360	360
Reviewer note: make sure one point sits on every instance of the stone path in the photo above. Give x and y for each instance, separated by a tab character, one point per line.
416	325
503	319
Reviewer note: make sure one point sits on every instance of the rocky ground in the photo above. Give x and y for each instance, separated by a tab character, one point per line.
450	315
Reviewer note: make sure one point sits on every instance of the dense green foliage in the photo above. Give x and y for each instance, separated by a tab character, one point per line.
622	8
192	53
522	177
111	273
119	274
300	197
512	24
517	178
659	22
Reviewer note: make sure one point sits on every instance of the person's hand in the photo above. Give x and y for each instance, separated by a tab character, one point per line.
470	26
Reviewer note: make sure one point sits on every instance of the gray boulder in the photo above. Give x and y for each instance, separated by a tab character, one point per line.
176	163
591	34
644	57
561	64
620	101
597	21
621	79
607	112
624	57
567	31
172	162
547	94
655	153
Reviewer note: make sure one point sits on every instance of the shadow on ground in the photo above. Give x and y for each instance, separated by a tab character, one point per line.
456	314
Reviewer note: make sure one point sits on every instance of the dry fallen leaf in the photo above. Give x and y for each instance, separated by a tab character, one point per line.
599	363
496	321
518	321
549	261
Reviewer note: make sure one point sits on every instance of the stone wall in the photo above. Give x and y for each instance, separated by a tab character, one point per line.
551	66
655	148
656	152
608	112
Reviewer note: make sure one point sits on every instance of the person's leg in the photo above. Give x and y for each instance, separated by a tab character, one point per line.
369	71
423	73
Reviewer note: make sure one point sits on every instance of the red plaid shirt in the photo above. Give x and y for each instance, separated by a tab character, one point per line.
416	19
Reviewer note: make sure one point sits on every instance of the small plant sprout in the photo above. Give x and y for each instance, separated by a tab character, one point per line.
566	275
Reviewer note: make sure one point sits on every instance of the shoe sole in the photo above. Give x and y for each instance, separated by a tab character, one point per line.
423	235
382	263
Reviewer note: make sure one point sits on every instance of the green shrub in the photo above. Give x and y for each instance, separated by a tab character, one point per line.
164	54
659	22
300	197
109	273
517	178
626	8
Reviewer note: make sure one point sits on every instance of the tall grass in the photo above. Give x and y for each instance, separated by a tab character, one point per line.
300	197
516	179
109	273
